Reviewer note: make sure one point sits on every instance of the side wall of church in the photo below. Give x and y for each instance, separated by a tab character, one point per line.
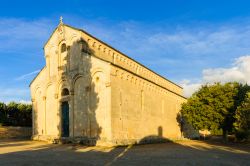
109	54
142	110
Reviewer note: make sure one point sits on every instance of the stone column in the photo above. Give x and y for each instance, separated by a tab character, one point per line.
71	109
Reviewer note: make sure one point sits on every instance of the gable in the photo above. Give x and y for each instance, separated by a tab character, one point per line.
67	34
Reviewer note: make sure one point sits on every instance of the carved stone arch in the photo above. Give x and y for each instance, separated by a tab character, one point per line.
46	88
47	85
61	42
62	49
99	80
75	77
35	92
62	84
73	38
95	70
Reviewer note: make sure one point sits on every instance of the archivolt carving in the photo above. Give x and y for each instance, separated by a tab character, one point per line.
61	85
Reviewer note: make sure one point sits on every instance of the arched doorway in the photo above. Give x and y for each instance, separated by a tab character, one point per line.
65	119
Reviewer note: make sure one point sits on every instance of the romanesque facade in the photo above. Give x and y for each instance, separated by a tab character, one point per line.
90	91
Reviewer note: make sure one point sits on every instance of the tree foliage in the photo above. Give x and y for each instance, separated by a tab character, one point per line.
242	116
213	107
15	114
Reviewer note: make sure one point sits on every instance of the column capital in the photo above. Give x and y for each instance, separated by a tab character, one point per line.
56	96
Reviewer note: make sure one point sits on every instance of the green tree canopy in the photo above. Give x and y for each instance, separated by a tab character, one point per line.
213	107
242	115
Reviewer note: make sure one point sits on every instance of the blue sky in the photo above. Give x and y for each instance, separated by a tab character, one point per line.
189	42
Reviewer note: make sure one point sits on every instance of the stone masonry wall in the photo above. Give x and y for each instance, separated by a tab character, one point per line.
8	132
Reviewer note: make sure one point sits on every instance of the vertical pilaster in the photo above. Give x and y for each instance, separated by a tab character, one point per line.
45	118
71	109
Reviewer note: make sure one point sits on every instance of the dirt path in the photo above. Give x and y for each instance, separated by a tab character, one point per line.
178	153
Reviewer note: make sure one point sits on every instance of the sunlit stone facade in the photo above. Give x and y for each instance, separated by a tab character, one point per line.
90	91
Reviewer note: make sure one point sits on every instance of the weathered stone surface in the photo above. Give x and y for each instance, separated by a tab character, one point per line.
111	97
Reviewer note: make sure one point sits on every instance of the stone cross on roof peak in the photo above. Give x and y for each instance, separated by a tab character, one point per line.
61	20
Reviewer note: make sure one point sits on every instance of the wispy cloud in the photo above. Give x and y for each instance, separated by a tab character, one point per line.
239	71
23	35
178	52
28	75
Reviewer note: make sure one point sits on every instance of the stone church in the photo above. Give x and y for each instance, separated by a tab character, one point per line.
90	91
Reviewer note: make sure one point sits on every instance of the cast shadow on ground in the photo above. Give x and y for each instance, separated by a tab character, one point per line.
169	152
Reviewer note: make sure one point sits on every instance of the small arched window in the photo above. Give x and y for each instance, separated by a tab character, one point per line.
63	48
84	46
65	92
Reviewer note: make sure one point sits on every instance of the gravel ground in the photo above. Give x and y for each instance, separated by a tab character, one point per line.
24	152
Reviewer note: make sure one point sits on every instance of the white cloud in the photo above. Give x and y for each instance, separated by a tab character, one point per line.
25	101
189	88
14	94
239	71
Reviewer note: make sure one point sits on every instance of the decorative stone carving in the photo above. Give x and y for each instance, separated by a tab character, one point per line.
61	34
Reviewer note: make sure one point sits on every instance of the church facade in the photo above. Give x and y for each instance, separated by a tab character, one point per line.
90	91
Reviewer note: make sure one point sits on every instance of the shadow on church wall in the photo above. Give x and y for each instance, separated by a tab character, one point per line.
76	66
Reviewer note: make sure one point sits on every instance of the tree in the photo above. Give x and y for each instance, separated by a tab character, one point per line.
13	113
242	116
16	114
3	113
213	107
